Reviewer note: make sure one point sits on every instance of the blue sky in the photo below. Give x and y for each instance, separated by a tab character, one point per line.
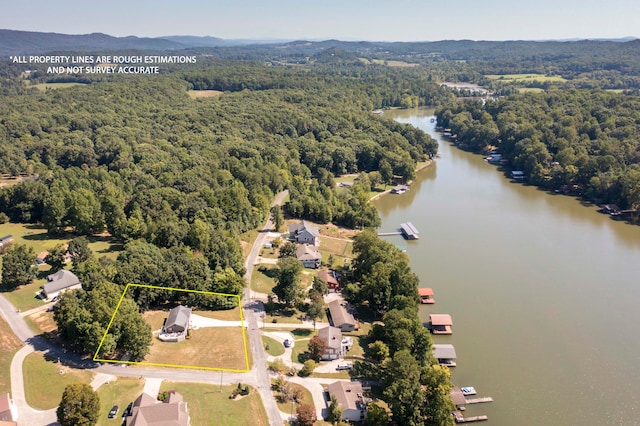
398	20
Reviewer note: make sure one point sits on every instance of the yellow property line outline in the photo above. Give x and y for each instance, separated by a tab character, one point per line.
242	326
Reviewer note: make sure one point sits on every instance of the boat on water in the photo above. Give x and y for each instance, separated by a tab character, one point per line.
469	390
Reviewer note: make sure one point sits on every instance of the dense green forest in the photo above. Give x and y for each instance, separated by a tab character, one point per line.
576	141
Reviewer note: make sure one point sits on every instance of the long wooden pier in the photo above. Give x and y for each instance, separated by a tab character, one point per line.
384	234
479	400
461	419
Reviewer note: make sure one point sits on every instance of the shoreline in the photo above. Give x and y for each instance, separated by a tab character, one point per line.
418	169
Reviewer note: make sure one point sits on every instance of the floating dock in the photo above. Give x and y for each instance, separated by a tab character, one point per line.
461	419
479	400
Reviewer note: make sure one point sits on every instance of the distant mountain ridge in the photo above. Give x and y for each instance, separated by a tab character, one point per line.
14	42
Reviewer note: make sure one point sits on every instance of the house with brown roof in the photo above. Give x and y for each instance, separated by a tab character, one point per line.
303	233
146	411
60	282
309	256
337	345
340	317
350	400
330	278
440	323
8	411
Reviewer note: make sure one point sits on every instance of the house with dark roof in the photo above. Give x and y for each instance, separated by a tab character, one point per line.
178	320
146	411
60	282
350	400
340	317
309	256
303	233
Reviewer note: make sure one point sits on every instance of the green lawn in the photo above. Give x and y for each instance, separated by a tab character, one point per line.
209	405
262	279
272	346
44	383
119	392
9	345
526	77
25	297
246	240
305	396
299	348
43	86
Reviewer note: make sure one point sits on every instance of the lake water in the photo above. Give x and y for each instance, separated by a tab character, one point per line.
544	292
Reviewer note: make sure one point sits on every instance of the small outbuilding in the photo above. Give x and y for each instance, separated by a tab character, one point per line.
426	296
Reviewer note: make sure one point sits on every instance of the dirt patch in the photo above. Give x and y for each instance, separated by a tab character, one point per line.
44	321
8	341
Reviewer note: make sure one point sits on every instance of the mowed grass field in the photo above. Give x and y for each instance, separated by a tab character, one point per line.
209	347
210	404
305	396
9	345
195	94
36	237
119	392
44	86
526	77
44	383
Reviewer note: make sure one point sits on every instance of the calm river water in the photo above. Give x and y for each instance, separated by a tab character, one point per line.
544	292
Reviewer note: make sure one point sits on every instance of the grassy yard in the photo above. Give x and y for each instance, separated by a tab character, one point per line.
210	347
208	404
25	297
43	86
360	340
9	345
272	346
299	349
44	382
224	315
288	316
39	239
246	241
526	77
305	396
41	322
262	279
119	392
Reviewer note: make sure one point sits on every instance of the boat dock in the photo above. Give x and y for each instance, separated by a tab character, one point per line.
478	400
461	419
407	230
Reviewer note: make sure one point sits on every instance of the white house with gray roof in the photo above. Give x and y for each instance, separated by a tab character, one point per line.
303	233
60	282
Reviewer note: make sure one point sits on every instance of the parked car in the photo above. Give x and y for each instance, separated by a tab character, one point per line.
127	411
345	366
287	343
113	412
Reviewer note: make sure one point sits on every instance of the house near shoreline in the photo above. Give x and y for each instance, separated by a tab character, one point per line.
399	189
60	282
350	400
303	233
146	411
340	317
337	345
309	255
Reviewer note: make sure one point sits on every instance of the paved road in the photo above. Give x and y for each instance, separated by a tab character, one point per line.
257	377
253	310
